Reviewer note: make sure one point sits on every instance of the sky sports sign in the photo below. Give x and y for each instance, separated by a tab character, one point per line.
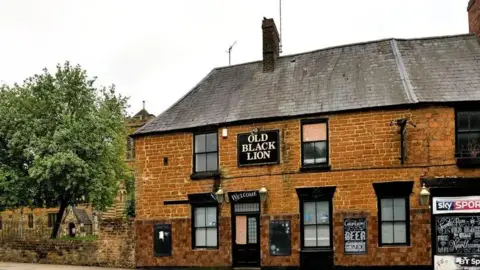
445	205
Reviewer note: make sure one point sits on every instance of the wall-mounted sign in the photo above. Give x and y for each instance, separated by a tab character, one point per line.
456	262
244	196
279	233
457	234
444	205
355	235
259	148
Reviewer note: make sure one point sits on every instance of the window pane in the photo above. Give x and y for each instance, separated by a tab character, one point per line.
475	121
211	217
310	236
199	143
212	161
323	234
199	217
400	232
200	162
474	141
200	234
241	230
308	153
322	213
315	132
462	121
309	213
462	142
321	152
399	209
211	237
252	230
387	232
211	142
387	209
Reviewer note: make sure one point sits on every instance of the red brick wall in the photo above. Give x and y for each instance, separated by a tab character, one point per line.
474	17
364	149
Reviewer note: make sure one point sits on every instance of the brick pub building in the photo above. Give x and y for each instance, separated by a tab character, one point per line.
357	156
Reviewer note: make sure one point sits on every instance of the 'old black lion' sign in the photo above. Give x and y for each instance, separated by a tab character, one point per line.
259	148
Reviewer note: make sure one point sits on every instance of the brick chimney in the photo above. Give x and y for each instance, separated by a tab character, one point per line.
271	42
474	16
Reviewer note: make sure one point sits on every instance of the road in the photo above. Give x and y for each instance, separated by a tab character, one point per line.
27	266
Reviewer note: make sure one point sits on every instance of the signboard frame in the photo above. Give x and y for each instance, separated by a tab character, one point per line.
365	229
239	150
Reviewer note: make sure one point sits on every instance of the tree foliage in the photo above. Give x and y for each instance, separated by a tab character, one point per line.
62	142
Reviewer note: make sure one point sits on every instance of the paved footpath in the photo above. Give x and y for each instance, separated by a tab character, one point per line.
27	266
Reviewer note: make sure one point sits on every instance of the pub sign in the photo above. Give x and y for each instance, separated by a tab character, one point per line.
258	148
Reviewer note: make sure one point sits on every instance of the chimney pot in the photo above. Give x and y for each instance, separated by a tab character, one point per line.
271	43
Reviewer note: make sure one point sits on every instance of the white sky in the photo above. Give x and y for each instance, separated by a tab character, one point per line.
158	50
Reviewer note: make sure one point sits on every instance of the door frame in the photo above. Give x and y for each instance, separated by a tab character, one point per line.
234	200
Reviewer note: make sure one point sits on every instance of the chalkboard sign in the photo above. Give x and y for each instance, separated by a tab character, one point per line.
355	235
458	234
162	240
280	231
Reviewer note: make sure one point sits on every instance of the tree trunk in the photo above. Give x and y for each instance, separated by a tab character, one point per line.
56	226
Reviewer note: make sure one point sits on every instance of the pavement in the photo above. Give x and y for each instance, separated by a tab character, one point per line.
28	266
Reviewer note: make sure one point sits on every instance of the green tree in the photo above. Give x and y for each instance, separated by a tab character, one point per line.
62	142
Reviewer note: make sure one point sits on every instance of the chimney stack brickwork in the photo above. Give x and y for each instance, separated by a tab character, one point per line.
474	16
271	43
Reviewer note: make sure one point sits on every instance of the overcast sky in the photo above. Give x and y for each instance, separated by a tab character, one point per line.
158	50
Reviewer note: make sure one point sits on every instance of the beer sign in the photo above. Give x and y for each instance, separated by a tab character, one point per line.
258	148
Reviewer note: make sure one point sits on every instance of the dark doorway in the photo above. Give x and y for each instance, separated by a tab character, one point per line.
71	229
246	234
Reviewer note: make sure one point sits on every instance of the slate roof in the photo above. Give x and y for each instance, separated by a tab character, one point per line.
82	216
356	76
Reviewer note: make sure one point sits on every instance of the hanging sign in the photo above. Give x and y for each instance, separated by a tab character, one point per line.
258	148
355	235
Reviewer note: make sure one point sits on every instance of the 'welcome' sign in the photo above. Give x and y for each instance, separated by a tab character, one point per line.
259	148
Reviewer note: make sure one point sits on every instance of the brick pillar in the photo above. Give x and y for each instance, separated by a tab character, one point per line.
474	16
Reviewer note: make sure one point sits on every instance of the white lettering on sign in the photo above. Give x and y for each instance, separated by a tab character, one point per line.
238	196
258	147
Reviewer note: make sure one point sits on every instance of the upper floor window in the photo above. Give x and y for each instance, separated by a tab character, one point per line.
130	154
468	134
205	227
206	152
314	143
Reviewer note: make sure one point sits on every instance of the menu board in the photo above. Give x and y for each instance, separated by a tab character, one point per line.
355	235
458	234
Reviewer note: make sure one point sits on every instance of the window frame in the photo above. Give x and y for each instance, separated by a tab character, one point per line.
465	160
314	166
392	190
303	226
193	228
407	220
54	220
194	169
130	153
30	216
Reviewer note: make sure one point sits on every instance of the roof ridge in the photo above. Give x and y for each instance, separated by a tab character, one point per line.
178	101
407	85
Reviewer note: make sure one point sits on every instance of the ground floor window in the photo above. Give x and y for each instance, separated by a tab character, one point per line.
52	219
205	227
393	204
